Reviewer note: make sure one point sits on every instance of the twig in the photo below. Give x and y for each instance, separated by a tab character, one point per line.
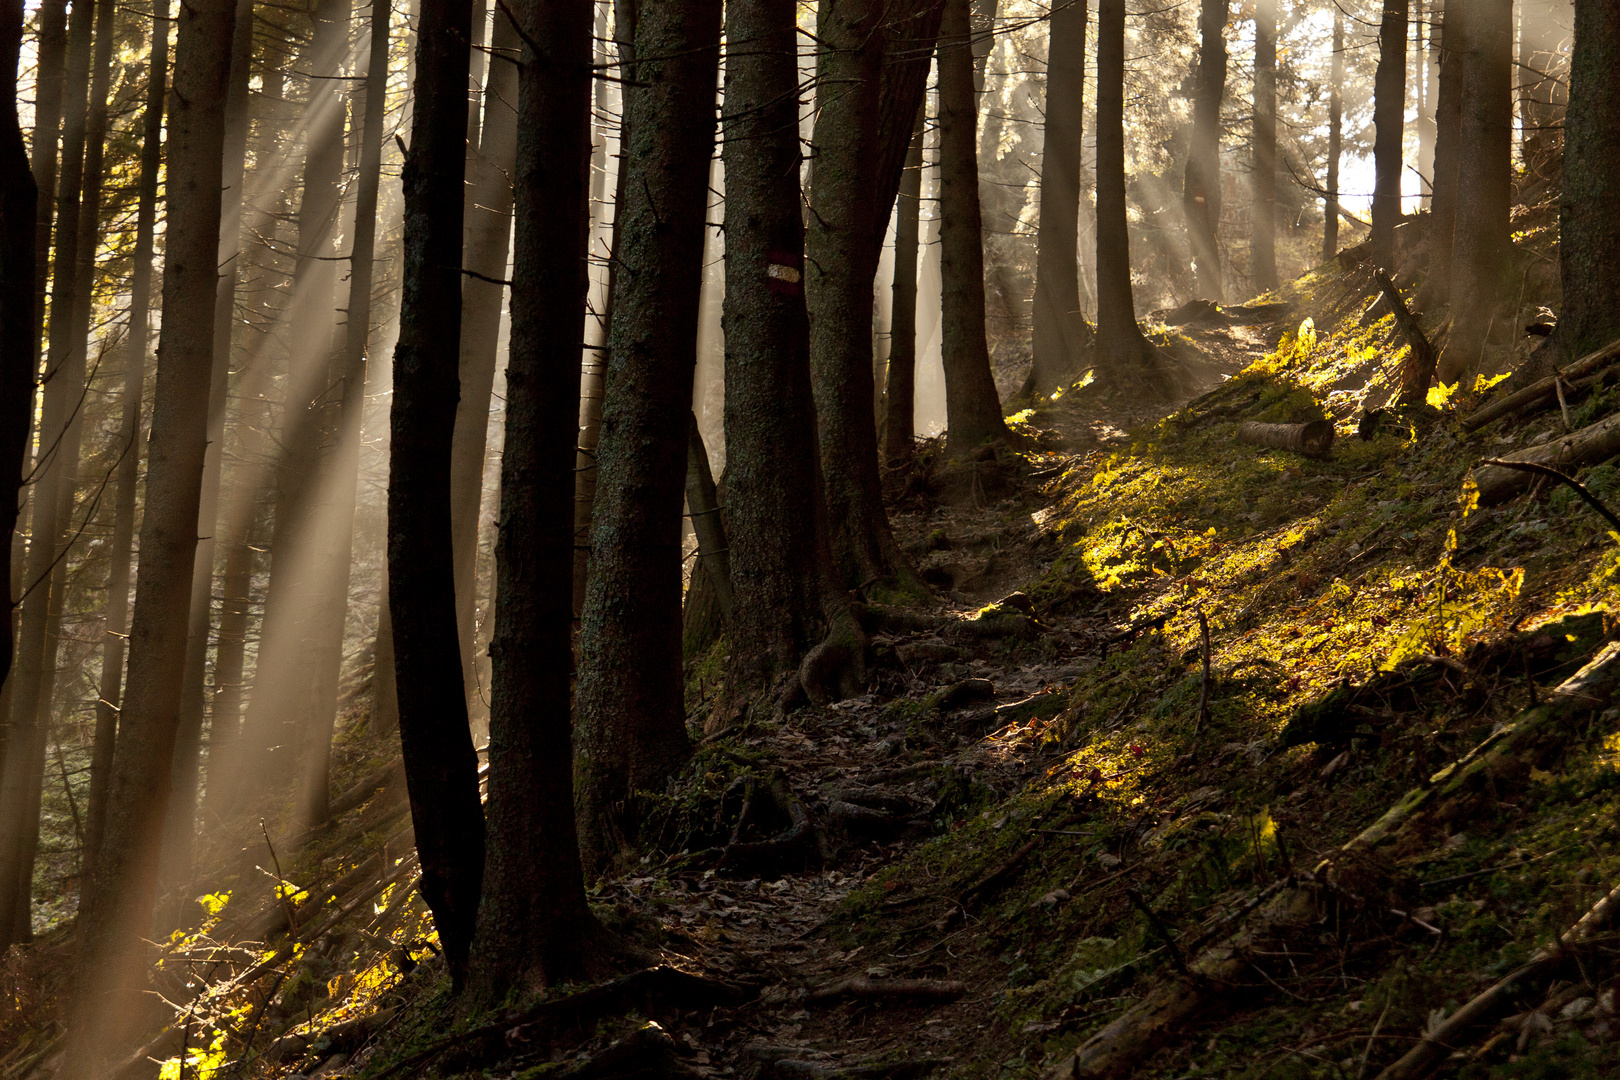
1162	930
1553	474
1362	1070
281	882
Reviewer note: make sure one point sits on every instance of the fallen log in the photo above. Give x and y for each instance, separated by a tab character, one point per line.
1312	439
1439	1042
859	986
1546	390
1418	371
1588	446
1495	766
795	1069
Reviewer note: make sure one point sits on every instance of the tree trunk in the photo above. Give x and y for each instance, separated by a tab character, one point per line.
1427	44
632	724
844	238
489	234
1330	201
1125	353
900	390
1480	249
708	524
972	408
1389	118
1447	150
1060	332
1263	218
534	926
441	767
136	343
908	31
118	906
56	469
49	89
1589	212
1201	187
779	555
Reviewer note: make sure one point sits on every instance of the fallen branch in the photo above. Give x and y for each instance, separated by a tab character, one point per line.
859	986
999	874
792	1069
1418	371
647	1051
1563	478
1501	480
1438	1043
1313	439
1546	390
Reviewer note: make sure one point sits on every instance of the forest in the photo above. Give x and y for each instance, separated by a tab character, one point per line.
831	539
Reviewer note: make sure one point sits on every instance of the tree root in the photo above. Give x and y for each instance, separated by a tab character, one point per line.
859	986
777	1064
646	1052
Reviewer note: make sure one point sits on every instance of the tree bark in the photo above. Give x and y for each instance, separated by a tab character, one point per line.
900	387
118	906
708	526
441	768
1124	353
1201	186
1589	211
1480	248
1389	119
1060	331
972	407
631	713
1330	200
489	235
136	343
534	926
1263	218
1427	65
845	233
49	88
1447	139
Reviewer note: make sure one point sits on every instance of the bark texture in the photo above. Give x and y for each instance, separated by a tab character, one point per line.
900	386
1389	118
1263	218
631	718
1201	186
1330	199
1447	136
1125	354
1589	214
441	768
972	407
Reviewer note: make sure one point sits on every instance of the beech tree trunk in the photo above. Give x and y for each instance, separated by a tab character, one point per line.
534	926
116	911
1330	201
1263	218
1201	186
972	407
441	767
1480	250
900	389
631	712
1389	119
1124	353
136	343
489	235
1589	212
1060	331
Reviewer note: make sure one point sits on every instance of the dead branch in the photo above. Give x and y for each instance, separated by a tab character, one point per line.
859	986
1500	480
911	1069
1580	489
1418	371
1579	375
999	875
1313	439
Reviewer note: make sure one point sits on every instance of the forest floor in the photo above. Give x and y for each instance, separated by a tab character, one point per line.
1167	679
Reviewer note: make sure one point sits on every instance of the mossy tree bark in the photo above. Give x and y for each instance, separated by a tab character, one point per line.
972	407
534	926
631	718
117	908
1389	120
1201	184
900	387
1124	353
1480	251
1263	218
1589	213
1060	331
441	767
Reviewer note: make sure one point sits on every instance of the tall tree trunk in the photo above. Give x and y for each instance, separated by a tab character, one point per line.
489	235
1330	201
1589	213
1427	44
179	832
136	342
1263	218
1125	353
1389	118
1060	332
972	408
842	246
1480	249
908	32
56	468
900	391
18	326
1201	185
534	926
632	724
1447	151
117	909
441	767
50	87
